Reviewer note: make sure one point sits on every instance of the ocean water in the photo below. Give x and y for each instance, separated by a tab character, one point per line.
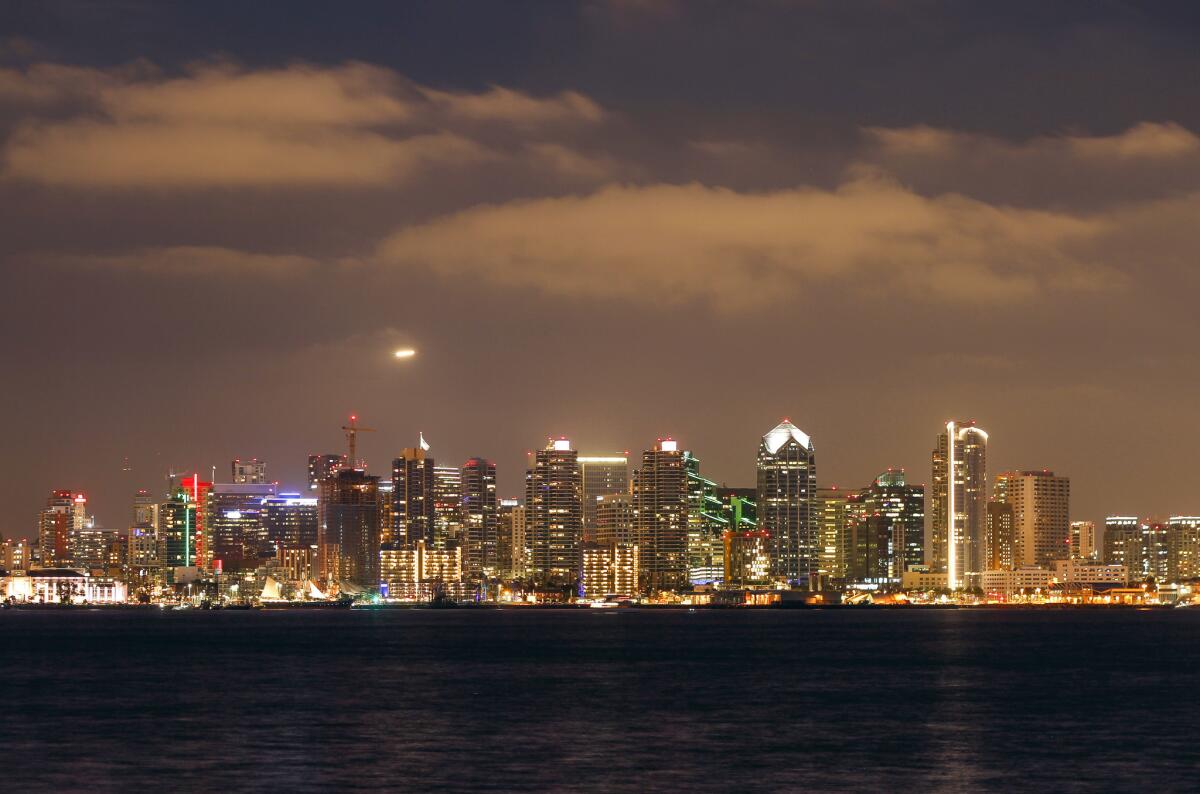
602	700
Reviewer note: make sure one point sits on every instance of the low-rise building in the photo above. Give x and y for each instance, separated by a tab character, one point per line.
1006	584
62	586
1083	572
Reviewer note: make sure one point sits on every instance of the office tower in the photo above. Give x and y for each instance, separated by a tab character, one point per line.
511	548
1041	505
616	520
413	496
348	533
145	509
96	549
660	500
239	537
321	467
1083	540
197	491
600	475
289	521
142	561
553	514
891	531
252	471
838	514
738	507
705	524
608	569
177	531
958	501
64	511
999	538
747	558
447	506
1183	548
787	502
480	519
1124	544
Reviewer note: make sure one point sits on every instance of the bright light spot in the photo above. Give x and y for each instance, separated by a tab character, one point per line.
407	352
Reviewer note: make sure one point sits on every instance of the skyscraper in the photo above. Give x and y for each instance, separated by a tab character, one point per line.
1000	540
600	475
248	471
660	501
958	501
177	530
237	529
413	496
447	506
1083	540
145	509
892	535
1125	544
479	512
348	514
616	520
196	491
706	523
554	514
511	548
1041	504
290	521
787	502
321	467
65	511
838	519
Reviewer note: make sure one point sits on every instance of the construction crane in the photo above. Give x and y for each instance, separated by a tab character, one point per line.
352	431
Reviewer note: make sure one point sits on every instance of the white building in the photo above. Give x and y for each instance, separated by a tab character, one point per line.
1006	584
63	585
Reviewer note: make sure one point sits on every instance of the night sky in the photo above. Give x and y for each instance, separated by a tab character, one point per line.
609	220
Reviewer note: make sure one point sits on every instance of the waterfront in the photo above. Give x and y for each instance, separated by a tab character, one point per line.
629	700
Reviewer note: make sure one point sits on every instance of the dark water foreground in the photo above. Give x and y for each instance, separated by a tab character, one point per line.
601	700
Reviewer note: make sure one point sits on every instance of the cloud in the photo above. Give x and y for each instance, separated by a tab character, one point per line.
223	125
666	243
193	260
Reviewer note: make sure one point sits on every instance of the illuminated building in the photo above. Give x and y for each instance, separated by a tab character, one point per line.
1004	585
553	514
600	475
1041	504
787	502
447	506
511	548
1183	548
197	493
923	579
322	467
1124	544
958	501
143	563
747	558
252	471
348	529
417	572
97	550
14	555
387	513
480	519
1156	545
413	496
65	511
63	586
289	521
177	532
837	513
616	520
299	563
660	501
608	569
145	509
1083	540
238	534
999	537
1083	572
706	522
890	536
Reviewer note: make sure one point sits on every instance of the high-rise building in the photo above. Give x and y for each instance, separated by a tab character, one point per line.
65	511
891	533
239	537
660	501
706	523
958	501
145	509
178	530
248	471
511	549
348	516
480	519
447	506
787	502
616	520
1125	544
608	569
839	519
290	521
1157	544
999	537
553	514
747	558
1183	548
413	496
1041	503
600	475
1083	540
321	467
96	549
